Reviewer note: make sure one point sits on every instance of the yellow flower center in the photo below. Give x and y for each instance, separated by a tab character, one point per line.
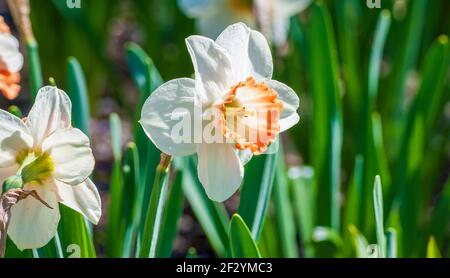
35	166
250	115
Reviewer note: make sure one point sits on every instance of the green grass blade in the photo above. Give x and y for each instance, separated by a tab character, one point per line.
130	205
368	132
415	134
433	249
378	208
283	211
348	22
113	246
77	90
241	242
352	207
171	216
269	240
303	184
440	215
407	49
327	114
11	251
36	80
251	209
147	78
53	249
74	233
211	216
152	224
391	243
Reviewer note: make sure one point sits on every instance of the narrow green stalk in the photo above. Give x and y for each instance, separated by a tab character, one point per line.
36	80
152	223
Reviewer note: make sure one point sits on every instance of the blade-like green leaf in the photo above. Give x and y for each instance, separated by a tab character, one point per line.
78	93
348	24
439	218
303	192
34	67
367	145
391	243
327	114
241	242
172	214
152	224
417	129
378	208
130	205
256	191
11	251
352	208
283	211
113	247
147	78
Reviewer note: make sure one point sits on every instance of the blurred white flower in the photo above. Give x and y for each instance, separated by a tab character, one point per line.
272	16
11	62
56	158
233	78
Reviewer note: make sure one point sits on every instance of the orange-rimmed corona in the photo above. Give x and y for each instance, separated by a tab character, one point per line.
250	115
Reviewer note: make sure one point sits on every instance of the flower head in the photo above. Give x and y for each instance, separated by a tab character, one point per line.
11	62
234	102
54	159
272	16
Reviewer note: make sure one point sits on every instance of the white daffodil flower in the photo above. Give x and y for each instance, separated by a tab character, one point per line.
212	16
56	157
233	81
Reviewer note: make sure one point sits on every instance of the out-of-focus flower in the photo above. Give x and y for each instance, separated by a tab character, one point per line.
11	62
50	157
272	16
235	101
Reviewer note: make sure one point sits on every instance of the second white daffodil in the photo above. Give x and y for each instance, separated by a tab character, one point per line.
54	159
242	108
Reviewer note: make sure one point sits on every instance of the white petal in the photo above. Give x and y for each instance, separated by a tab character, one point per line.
291	102
6	173
165	109
9	53
249	52
212	65
83	198
219	170
196	8
14	138
71	155
32	224
51	111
